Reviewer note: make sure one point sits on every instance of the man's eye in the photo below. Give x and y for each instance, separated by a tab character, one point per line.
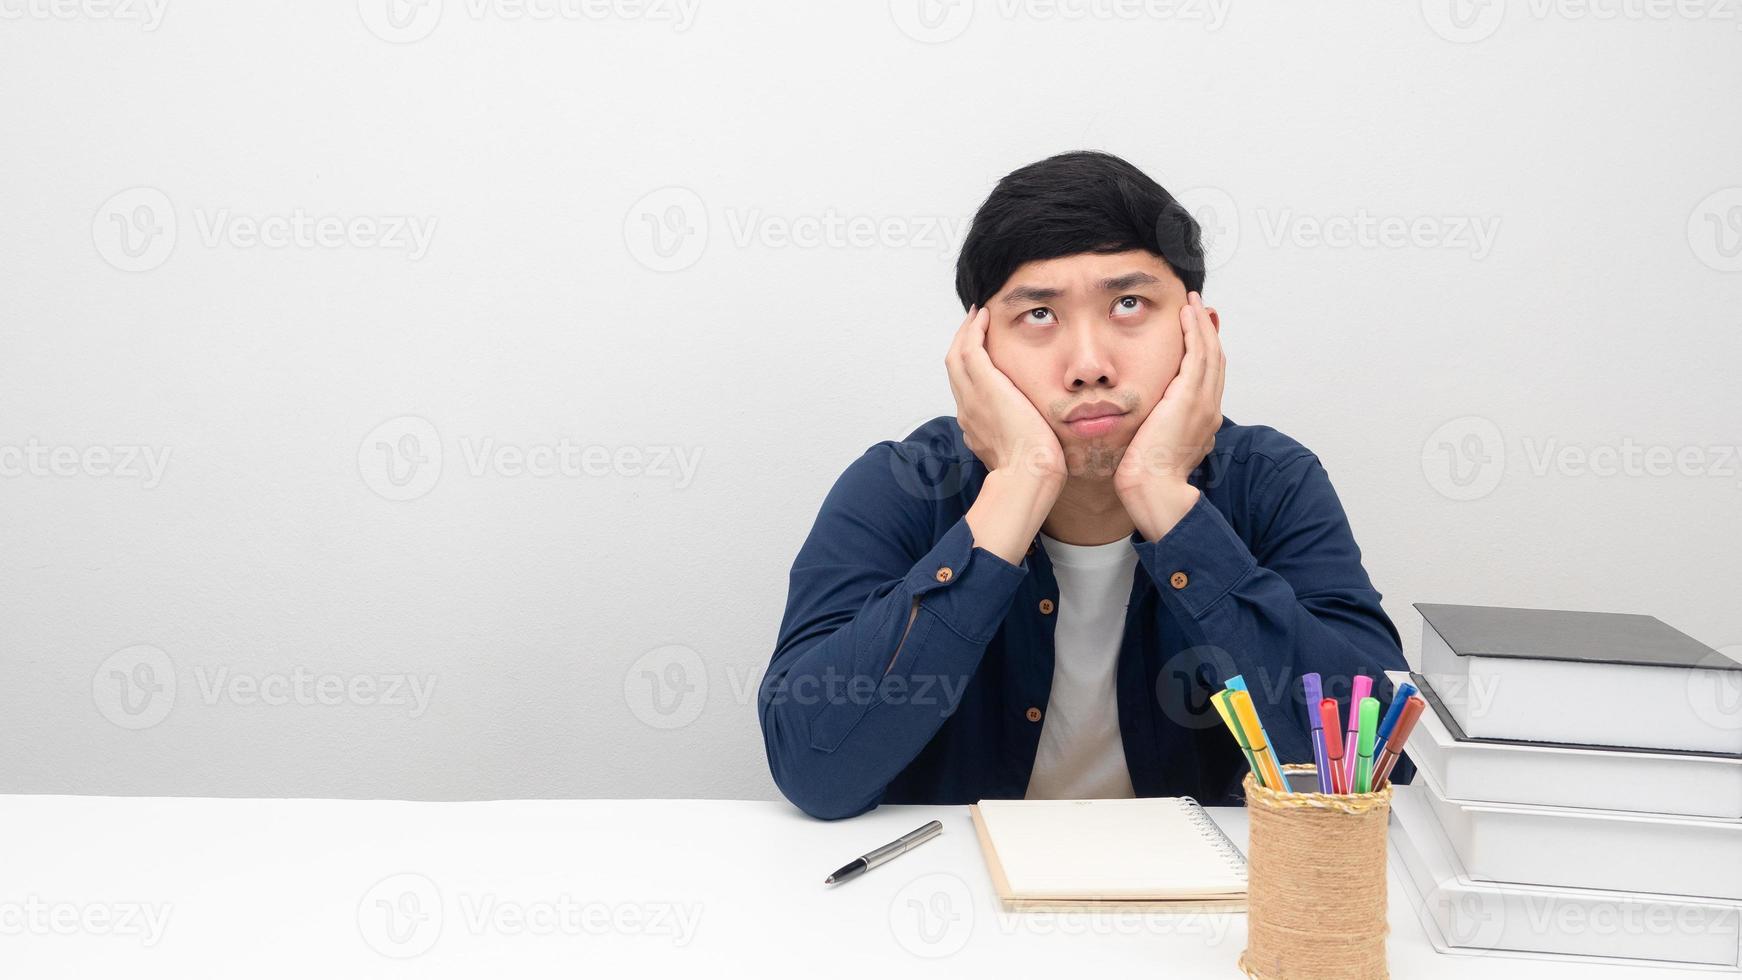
1044	314
1128	304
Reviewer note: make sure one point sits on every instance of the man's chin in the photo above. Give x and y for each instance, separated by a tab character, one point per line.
1095	457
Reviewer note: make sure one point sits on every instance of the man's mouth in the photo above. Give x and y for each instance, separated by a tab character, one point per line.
1095	418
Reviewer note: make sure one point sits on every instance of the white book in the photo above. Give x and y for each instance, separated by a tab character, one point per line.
1584	678
1495	770
1575	847
1155	849
1462	914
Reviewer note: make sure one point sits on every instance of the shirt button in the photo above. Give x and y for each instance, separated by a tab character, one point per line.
1045	610
944	574
1178	580
1033	714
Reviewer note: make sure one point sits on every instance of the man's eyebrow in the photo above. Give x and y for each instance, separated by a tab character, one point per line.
1025	295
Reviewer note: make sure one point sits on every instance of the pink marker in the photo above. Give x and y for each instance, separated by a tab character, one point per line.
1363	689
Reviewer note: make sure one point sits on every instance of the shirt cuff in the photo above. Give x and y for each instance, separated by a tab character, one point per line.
1198	561
967	587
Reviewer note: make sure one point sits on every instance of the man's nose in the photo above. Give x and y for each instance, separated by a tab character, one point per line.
1091	362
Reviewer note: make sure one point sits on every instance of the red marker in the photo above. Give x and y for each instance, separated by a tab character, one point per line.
1399	735
1333	744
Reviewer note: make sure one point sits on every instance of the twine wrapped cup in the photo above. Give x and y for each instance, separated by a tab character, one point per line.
1315	871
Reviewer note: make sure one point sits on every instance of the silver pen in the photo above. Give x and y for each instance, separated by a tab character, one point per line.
901	845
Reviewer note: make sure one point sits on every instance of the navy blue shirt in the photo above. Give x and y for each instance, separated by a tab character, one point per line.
914	667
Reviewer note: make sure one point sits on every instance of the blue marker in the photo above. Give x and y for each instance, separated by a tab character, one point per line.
1236	683
1398	700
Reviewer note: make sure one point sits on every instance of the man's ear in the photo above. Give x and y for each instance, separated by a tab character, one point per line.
1215	318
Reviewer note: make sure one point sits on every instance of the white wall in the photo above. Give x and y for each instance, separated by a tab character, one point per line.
1602	314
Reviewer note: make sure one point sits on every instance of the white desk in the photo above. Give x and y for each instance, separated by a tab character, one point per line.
305	888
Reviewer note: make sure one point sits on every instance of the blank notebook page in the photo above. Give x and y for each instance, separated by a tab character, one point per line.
1158	847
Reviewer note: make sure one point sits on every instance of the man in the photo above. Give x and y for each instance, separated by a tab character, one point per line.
1037	597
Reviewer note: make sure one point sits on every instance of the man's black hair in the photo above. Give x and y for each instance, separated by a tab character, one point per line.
1083	201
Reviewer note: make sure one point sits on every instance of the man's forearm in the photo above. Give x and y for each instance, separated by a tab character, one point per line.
1157	506
1009	511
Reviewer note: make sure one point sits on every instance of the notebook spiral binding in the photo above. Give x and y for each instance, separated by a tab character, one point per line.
1213	833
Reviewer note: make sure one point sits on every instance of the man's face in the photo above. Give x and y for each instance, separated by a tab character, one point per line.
1086	329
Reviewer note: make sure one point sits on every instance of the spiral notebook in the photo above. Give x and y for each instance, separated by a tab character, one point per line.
1161	854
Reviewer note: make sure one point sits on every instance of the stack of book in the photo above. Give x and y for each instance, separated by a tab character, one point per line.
1578	788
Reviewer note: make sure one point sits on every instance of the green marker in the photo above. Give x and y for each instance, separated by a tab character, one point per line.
1227	709
1364	745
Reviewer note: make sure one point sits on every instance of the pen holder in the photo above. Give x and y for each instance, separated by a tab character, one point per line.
1315	879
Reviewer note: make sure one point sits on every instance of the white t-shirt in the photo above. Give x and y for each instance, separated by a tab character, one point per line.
1081	756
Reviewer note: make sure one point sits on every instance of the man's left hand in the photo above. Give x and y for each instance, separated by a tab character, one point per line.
1180	430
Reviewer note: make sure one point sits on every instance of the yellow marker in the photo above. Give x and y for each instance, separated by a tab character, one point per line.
1248	718
1220	700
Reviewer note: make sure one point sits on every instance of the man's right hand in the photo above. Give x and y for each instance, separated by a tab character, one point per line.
1004	429
1000	425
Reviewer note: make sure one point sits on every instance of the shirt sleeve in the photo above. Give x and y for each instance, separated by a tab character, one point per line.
883	629
1290	597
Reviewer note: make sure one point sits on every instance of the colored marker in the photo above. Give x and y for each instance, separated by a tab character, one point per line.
1316	729
1248	717
1399	738
1363	687
1236	683
1220	700
1364	745
1333	744
1398	700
